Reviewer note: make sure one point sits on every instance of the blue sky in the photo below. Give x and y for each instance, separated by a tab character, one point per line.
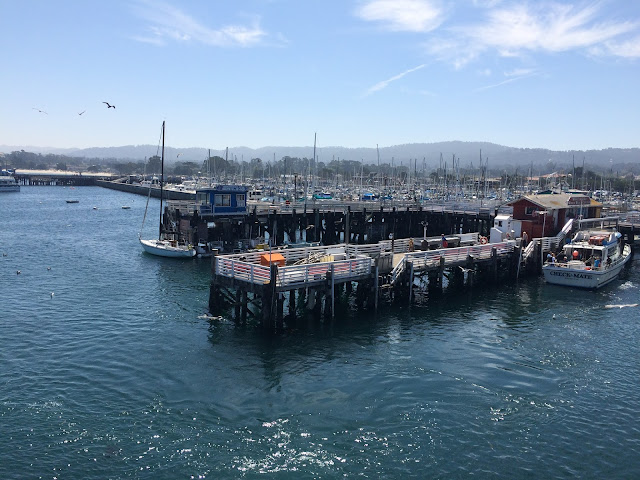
541	74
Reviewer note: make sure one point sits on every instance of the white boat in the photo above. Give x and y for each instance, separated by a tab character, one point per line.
8	184
168	248
591	260
164	247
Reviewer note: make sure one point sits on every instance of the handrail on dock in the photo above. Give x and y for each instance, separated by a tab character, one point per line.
431	258
292	275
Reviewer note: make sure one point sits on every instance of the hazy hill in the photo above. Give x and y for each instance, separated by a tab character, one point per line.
467	152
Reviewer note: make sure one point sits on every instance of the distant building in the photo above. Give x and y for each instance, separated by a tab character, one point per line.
552	211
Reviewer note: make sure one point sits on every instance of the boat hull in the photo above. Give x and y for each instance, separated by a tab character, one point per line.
558	274
163	248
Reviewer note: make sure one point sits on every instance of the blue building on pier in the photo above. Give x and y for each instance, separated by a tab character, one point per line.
222	200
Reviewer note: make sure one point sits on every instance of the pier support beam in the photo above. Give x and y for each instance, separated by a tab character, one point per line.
292	304
410	282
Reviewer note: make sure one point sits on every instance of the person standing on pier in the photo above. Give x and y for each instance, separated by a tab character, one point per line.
443	242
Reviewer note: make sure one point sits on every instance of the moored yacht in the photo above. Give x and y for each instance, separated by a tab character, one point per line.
8	183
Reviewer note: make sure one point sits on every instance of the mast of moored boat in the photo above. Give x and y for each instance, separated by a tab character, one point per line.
161	184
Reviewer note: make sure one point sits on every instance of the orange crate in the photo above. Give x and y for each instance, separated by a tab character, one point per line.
270	258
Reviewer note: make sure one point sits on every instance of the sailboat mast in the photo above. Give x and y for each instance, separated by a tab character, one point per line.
161	184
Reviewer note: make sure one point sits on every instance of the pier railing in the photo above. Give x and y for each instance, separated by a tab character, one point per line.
403	245
431	258
301	275
292	275
603	222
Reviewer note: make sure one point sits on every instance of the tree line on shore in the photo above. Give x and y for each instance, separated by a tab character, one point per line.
588	177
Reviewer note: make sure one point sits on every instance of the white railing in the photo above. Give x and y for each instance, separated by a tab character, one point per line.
431	258
529	249
290	255
372	250
598	222
293	274
397	271
318	272
240	270
566	229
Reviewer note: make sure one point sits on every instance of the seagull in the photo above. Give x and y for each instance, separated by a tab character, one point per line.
83	112
52	294
465	270
109	105
4	254
18	272
48	268
41	111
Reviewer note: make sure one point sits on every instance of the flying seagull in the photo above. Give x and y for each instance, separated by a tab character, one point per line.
82	112
41	111
108	105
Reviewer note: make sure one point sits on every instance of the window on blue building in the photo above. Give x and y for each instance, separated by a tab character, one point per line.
223	200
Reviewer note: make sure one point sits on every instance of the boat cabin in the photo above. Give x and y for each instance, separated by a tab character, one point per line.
222	200
593	248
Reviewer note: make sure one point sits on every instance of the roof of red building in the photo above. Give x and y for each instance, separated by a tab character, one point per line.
558	201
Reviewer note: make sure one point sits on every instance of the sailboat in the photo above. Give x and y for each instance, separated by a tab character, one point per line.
164	247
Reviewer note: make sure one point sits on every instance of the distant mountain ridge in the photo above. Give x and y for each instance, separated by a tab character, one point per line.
467	152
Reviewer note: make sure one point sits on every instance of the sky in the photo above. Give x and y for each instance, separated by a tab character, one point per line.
560	75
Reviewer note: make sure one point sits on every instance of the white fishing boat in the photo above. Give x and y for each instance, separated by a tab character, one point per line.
163	246
591	260
8	183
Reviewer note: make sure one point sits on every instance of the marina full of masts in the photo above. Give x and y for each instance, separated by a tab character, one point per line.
449	183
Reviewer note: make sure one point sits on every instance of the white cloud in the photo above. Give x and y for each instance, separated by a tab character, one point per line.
532	27
168	23
381	85
512	76
625	49
550	27
403	15
520	72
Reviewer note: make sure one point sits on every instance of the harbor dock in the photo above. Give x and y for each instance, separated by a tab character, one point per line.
265	284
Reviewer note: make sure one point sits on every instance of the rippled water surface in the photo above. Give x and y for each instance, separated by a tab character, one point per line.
108	370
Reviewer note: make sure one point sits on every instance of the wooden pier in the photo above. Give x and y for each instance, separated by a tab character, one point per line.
309	279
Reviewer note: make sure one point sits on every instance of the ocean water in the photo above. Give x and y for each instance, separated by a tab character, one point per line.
109	370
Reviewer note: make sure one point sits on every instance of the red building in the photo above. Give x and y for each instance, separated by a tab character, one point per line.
551	211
